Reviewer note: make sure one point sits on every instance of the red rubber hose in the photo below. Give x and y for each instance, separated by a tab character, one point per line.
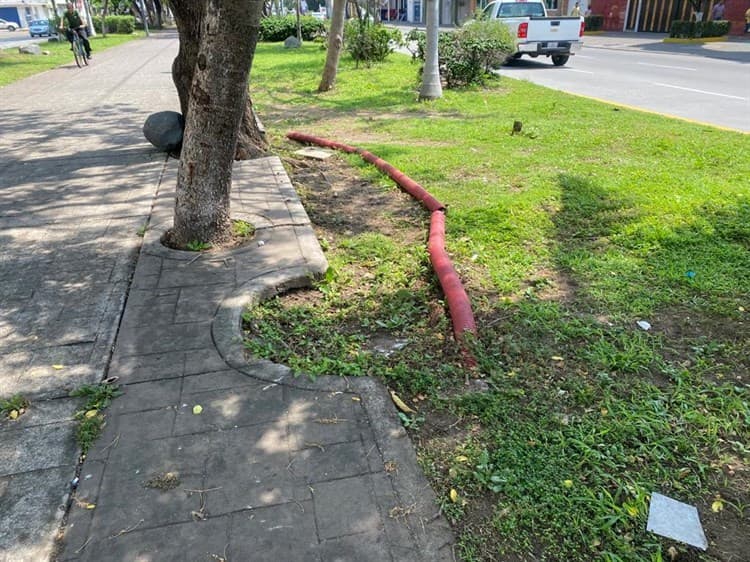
455	295
459	306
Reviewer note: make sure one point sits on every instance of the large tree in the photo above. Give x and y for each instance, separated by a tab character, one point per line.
217	44
335	42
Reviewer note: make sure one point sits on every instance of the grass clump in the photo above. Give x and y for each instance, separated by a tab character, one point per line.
14	406
90	417
242	229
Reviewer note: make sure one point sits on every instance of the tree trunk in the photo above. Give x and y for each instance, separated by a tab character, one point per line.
105	12
217	101
299	23
335	42
189	17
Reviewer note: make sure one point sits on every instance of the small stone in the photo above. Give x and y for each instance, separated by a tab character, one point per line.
292	42
30	50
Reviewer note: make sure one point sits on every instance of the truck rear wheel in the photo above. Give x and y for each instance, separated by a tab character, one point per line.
559	60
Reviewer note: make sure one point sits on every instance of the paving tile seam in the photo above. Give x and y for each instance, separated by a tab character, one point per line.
64	492
45	424
332	444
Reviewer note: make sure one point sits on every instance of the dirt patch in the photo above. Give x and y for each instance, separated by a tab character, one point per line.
163	481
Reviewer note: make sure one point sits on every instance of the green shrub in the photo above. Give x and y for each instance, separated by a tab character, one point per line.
115	24
468	55
125	24
278	28
369	42
594	23
696	29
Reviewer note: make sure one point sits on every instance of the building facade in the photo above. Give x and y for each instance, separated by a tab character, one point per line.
658	15
619	15
24	12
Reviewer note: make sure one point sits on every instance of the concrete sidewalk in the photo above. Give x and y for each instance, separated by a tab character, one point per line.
274	467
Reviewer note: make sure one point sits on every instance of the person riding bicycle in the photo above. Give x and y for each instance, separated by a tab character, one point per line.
72	22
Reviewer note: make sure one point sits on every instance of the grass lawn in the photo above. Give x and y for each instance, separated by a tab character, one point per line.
566	236
15	66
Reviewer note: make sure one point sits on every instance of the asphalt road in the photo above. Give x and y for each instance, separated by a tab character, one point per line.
13	39
708	85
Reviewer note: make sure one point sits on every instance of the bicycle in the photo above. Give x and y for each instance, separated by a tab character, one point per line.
79	52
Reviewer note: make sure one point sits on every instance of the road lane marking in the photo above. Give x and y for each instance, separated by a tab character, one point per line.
701	91
576	70
667	66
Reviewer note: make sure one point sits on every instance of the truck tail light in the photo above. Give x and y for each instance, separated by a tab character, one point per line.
583	26
523	30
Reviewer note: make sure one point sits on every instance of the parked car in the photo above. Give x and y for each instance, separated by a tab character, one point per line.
537	34
40	28
9	25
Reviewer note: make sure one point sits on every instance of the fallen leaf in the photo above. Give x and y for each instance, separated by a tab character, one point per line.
717	506
90	505
604	411
557	358
57	367
13	414
197	409
91	413
401	405
454	495
356	399
672	552
462	458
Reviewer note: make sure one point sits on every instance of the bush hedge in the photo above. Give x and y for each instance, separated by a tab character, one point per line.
681	29
469	54
115	24
278	28
593	23
370	42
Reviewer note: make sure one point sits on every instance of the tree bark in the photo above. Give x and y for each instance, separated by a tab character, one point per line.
217	101
335	42
189	17
105	13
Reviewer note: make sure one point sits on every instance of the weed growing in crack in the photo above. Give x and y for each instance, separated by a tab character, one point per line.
90	417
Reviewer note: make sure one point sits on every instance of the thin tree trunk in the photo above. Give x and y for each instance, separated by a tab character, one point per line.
335	42
105	11
217	101
299	23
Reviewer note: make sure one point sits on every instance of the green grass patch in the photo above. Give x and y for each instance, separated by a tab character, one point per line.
15	66
565	237
14	406
90	417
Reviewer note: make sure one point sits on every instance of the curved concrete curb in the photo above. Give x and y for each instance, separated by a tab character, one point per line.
210	292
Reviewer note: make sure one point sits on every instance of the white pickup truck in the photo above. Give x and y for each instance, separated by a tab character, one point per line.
536	34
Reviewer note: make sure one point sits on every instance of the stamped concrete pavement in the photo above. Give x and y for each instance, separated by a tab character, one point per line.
273	467
77	181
